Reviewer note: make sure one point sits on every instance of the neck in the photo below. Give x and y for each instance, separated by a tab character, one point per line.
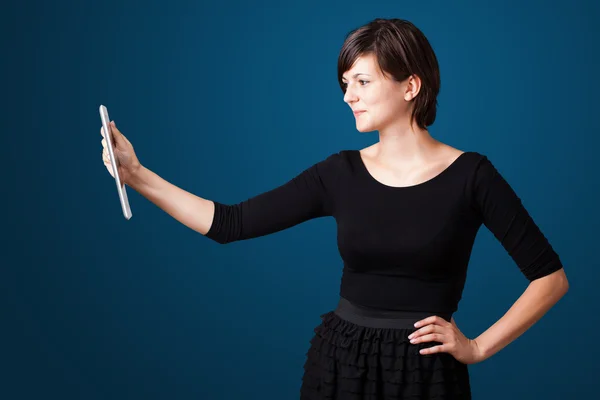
405	146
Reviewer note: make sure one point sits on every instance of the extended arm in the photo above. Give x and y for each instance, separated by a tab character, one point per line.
304	197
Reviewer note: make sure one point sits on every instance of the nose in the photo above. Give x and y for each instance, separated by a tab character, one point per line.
350	96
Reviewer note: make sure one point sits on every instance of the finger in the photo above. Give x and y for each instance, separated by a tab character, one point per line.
119	134
115	131
112	132
433	337
435	349
107	163
113	136
431	328
434	319
103	143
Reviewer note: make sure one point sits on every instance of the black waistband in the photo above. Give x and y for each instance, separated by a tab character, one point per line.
378	318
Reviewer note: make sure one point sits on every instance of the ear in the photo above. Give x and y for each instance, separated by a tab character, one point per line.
413	85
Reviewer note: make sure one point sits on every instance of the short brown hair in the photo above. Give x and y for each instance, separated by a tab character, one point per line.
401	50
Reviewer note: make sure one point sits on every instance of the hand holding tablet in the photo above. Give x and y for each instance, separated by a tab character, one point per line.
118	156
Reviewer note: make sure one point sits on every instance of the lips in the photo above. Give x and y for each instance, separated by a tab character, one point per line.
357	113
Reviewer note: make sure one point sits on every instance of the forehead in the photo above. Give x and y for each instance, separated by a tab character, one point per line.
363	64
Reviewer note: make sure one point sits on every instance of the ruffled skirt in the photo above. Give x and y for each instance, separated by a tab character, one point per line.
360	353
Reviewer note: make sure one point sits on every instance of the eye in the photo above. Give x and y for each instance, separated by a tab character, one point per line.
361	81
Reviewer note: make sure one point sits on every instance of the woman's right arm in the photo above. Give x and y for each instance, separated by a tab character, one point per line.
302	198
193	211
306	196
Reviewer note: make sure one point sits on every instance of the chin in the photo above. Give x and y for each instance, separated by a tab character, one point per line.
364	128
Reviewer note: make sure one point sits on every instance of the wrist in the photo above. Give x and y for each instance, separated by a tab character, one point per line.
480	350
136	176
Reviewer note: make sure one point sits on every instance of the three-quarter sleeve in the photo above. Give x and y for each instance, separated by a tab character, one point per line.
308	195
503	213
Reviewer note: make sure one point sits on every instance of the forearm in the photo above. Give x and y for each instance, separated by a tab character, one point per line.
538	298
191	210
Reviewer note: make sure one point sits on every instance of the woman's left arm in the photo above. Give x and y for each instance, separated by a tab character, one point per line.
502	211
536	300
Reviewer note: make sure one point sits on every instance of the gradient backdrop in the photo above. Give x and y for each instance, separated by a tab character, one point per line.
228	100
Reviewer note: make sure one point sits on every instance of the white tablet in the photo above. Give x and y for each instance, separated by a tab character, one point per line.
113	161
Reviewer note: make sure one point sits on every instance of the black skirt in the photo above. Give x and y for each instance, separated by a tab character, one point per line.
360	353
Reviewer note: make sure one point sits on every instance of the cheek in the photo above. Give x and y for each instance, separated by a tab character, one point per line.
390	106
381	105
369	99
378	100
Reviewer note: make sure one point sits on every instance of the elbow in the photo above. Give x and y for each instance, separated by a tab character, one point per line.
557	282
218	239
562	283
562	288
222	228
565	286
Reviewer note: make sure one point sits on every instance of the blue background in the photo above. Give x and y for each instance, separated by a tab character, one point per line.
228	100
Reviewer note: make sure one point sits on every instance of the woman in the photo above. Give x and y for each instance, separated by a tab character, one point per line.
408	209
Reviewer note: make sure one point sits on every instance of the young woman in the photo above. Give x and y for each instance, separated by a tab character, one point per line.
407	209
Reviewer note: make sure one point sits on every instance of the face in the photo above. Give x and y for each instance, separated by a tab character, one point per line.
376	100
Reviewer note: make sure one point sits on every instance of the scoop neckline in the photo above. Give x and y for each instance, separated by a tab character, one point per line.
445	171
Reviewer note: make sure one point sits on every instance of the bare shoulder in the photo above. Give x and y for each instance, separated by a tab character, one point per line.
451	153
445	154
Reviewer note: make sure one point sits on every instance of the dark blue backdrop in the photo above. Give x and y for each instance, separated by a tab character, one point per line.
228	100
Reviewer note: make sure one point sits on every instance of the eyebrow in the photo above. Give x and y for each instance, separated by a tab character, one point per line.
355	75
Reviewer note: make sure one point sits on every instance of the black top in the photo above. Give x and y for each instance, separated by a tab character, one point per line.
404	248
